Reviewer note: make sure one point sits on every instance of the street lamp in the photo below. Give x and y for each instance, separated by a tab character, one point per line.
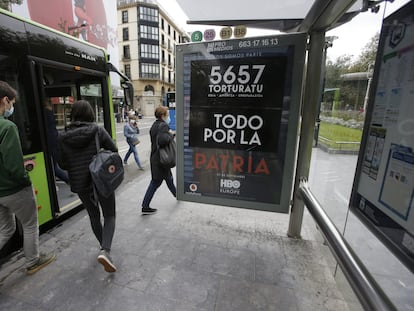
370	73
328	43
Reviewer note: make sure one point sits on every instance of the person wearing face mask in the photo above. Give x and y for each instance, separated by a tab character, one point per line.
131	131
16	193
160	133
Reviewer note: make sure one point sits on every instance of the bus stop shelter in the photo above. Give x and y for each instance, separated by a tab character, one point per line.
315	19
312	17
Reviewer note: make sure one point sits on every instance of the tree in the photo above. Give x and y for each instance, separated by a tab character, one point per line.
367	56
351	92
343	64
334	70
5	4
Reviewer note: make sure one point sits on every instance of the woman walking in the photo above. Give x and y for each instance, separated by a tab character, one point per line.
131	132
76	148
160	135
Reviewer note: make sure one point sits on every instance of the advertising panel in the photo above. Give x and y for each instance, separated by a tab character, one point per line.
238	105
383	189
94	21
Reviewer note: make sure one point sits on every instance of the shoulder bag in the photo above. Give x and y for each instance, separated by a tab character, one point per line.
167	154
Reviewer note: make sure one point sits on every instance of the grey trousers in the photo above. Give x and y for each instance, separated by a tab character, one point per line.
23	205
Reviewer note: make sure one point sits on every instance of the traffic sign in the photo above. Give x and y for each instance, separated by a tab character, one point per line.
240	31
225	33
209	34
196	36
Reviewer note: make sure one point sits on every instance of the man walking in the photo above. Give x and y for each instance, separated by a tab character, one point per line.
16	192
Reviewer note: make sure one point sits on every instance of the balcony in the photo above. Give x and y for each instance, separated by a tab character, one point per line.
149	76
121	3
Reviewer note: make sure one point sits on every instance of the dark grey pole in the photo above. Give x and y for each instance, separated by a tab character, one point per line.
309	112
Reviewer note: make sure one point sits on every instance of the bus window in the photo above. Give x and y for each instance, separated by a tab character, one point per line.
93	94
67	86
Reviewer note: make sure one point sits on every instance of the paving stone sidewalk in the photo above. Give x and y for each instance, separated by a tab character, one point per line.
188	256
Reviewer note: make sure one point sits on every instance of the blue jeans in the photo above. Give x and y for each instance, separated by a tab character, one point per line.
132	149
61	174
23	205
154	185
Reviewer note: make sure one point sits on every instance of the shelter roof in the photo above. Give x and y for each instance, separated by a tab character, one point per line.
282	15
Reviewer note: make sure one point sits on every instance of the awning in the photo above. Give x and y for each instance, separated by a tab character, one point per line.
282	15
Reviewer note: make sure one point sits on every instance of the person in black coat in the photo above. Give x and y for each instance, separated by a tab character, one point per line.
76	149
160	131
52	135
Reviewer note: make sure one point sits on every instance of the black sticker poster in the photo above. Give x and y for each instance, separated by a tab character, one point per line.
237	128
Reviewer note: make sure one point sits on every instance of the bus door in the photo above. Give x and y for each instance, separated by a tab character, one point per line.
59	86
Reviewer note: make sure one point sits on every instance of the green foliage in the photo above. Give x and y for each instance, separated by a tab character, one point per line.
334	70
366	59
5	4
339	137
345	115
336	132
352	93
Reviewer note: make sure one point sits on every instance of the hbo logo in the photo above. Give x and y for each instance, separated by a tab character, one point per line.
228	183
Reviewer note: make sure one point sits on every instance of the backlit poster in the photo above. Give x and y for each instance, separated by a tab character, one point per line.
94	21
239	103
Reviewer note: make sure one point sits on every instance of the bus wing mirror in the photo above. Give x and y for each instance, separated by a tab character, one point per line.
126	85
128	93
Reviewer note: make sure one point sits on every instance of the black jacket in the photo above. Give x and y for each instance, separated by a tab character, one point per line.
161	129
76	148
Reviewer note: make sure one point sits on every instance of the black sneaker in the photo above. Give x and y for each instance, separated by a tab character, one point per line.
105	260
148	210
43	261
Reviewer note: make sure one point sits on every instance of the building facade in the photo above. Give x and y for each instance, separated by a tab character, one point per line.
147	37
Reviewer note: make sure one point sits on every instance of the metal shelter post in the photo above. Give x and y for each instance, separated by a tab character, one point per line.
309	113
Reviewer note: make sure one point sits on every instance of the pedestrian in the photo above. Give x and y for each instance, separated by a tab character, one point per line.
16	192
52	135
131	131
76	148
160	135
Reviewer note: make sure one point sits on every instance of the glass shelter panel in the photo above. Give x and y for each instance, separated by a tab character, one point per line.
383	194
